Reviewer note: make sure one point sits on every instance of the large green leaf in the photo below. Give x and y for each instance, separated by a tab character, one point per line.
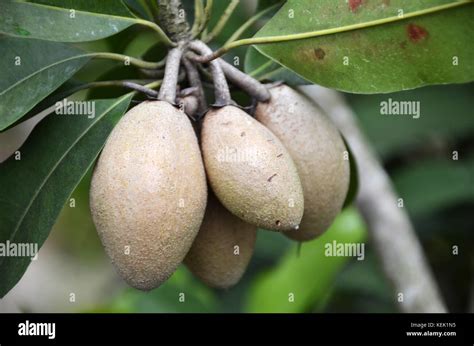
394	56
362	287
31	70
432	185
66	90
65	20
34	189
445	114
308	276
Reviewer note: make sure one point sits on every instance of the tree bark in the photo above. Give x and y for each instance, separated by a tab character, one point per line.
172	18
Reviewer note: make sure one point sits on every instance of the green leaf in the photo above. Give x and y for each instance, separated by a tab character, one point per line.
428	49
308	276
67	89
432	185
240	15
31	70
263	4
445	114
263	68
65	20
53	161
140	8
362	287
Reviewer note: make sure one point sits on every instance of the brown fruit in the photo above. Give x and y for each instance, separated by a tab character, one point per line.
318	151
250	171
148	193
223	247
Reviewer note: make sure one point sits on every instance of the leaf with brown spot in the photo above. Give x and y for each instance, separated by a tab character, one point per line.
355	4
429	49
416	33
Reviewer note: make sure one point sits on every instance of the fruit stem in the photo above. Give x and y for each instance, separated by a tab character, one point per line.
195	82
170	80
221	88
250	85
222	21
305	35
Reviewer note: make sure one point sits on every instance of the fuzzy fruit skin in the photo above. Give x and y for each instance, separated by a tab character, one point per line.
317	149
250	171
212	258
150	162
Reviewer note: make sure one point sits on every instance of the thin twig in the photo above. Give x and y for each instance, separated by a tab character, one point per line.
143	89
269	75
127	59
198	17
222	21
130	84
207	16
250	22
261	68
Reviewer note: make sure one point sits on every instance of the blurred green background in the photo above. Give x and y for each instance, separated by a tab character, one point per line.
438	194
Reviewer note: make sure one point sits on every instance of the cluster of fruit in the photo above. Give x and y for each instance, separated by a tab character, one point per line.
151	203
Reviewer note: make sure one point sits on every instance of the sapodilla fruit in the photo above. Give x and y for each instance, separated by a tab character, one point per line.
250	171
148	193
318	151
223	247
